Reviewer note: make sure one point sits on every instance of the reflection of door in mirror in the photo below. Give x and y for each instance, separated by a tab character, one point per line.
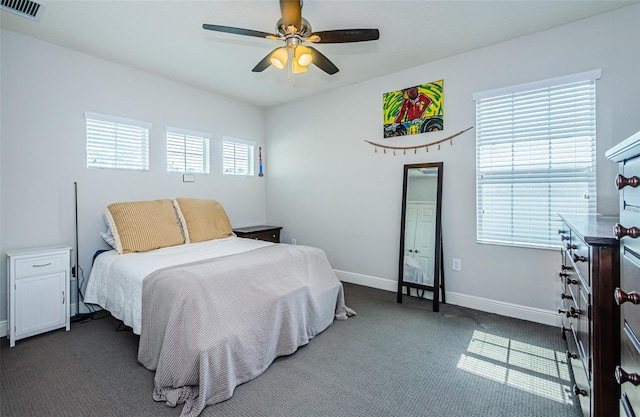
420	238
419	242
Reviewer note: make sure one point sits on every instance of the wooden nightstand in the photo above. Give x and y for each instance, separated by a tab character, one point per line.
262	232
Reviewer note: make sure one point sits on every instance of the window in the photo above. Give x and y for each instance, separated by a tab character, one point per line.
117	143
535	158
237	157
187	151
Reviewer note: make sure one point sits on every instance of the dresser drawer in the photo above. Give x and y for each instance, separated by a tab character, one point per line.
630	282
628	219
630	363
630	345
40	264
630	210
579	254
581	387
271	236
631	195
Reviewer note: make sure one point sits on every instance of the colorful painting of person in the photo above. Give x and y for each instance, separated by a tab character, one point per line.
413	110
414	104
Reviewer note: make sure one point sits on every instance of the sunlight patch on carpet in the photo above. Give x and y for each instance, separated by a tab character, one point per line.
535	369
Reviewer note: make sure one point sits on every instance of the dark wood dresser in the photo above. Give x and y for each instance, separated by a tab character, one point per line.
262	232
627	296
589	274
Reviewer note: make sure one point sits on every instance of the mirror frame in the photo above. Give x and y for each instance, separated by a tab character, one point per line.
438	276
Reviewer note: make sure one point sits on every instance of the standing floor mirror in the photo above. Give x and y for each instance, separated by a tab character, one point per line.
421	256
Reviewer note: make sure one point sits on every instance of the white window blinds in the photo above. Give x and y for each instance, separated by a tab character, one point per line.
535	158
237	157
117	143
187	151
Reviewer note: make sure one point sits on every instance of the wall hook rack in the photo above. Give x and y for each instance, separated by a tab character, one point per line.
415	148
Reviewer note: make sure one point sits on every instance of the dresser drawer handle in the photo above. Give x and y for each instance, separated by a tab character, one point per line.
41	265
622	297
622	182
622	376
571	355
566	297
578	391
578	258
564	237
620	231
562	274
570	313
572	281
571	246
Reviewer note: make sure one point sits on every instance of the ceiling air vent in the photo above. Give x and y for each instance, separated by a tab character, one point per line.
26	8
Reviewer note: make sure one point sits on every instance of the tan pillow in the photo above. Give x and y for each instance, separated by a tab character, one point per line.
204	219
141	226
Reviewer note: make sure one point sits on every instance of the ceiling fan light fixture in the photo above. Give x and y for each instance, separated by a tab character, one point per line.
302	55
279	58
293	30
297	68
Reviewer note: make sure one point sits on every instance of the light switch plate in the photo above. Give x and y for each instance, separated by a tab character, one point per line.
188	178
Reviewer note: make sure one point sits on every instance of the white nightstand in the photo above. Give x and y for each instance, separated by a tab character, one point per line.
38	282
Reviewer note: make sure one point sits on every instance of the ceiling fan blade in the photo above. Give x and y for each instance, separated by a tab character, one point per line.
322	61
291	13
264	63
347	35
237	31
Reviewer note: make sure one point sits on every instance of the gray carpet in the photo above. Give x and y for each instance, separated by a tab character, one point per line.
391	360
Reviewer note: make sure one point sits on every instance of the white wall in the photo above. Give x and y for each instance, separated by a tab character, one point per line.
329	189
45	91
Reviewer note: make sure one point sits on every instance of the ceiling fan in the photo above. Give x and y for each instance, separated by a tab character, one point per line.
295	30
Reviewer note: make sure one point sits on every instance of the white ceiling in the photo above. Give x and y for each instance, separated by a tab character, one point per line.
166	37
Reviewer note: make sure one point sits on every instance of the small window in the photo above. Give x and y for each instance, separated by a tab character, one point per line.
535	158
117	143
187	151
237	157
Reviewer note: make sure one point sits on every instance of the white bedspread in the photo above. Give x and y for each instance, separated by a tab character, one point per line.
115	282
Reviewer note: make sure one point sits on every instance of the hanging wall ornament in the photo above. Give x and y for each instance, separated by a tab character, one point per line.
416	147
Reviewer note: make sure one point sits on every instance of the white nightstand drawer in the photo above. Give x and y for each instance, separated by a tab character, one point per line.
41	265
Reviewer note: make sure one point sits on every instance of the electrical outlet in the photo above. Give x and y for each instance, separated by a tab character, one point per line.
293	241
456	264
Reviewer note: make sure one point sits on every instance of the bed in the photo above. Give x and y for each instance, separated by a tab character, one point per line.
212	313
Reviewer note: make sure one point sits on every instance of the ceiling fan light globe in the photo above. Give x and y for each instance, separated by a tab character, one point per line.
297	69
279	58
303	55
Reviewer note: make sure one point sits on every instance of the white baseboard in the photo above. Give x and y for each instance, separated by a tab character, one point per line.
3	323
367	280
536	315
